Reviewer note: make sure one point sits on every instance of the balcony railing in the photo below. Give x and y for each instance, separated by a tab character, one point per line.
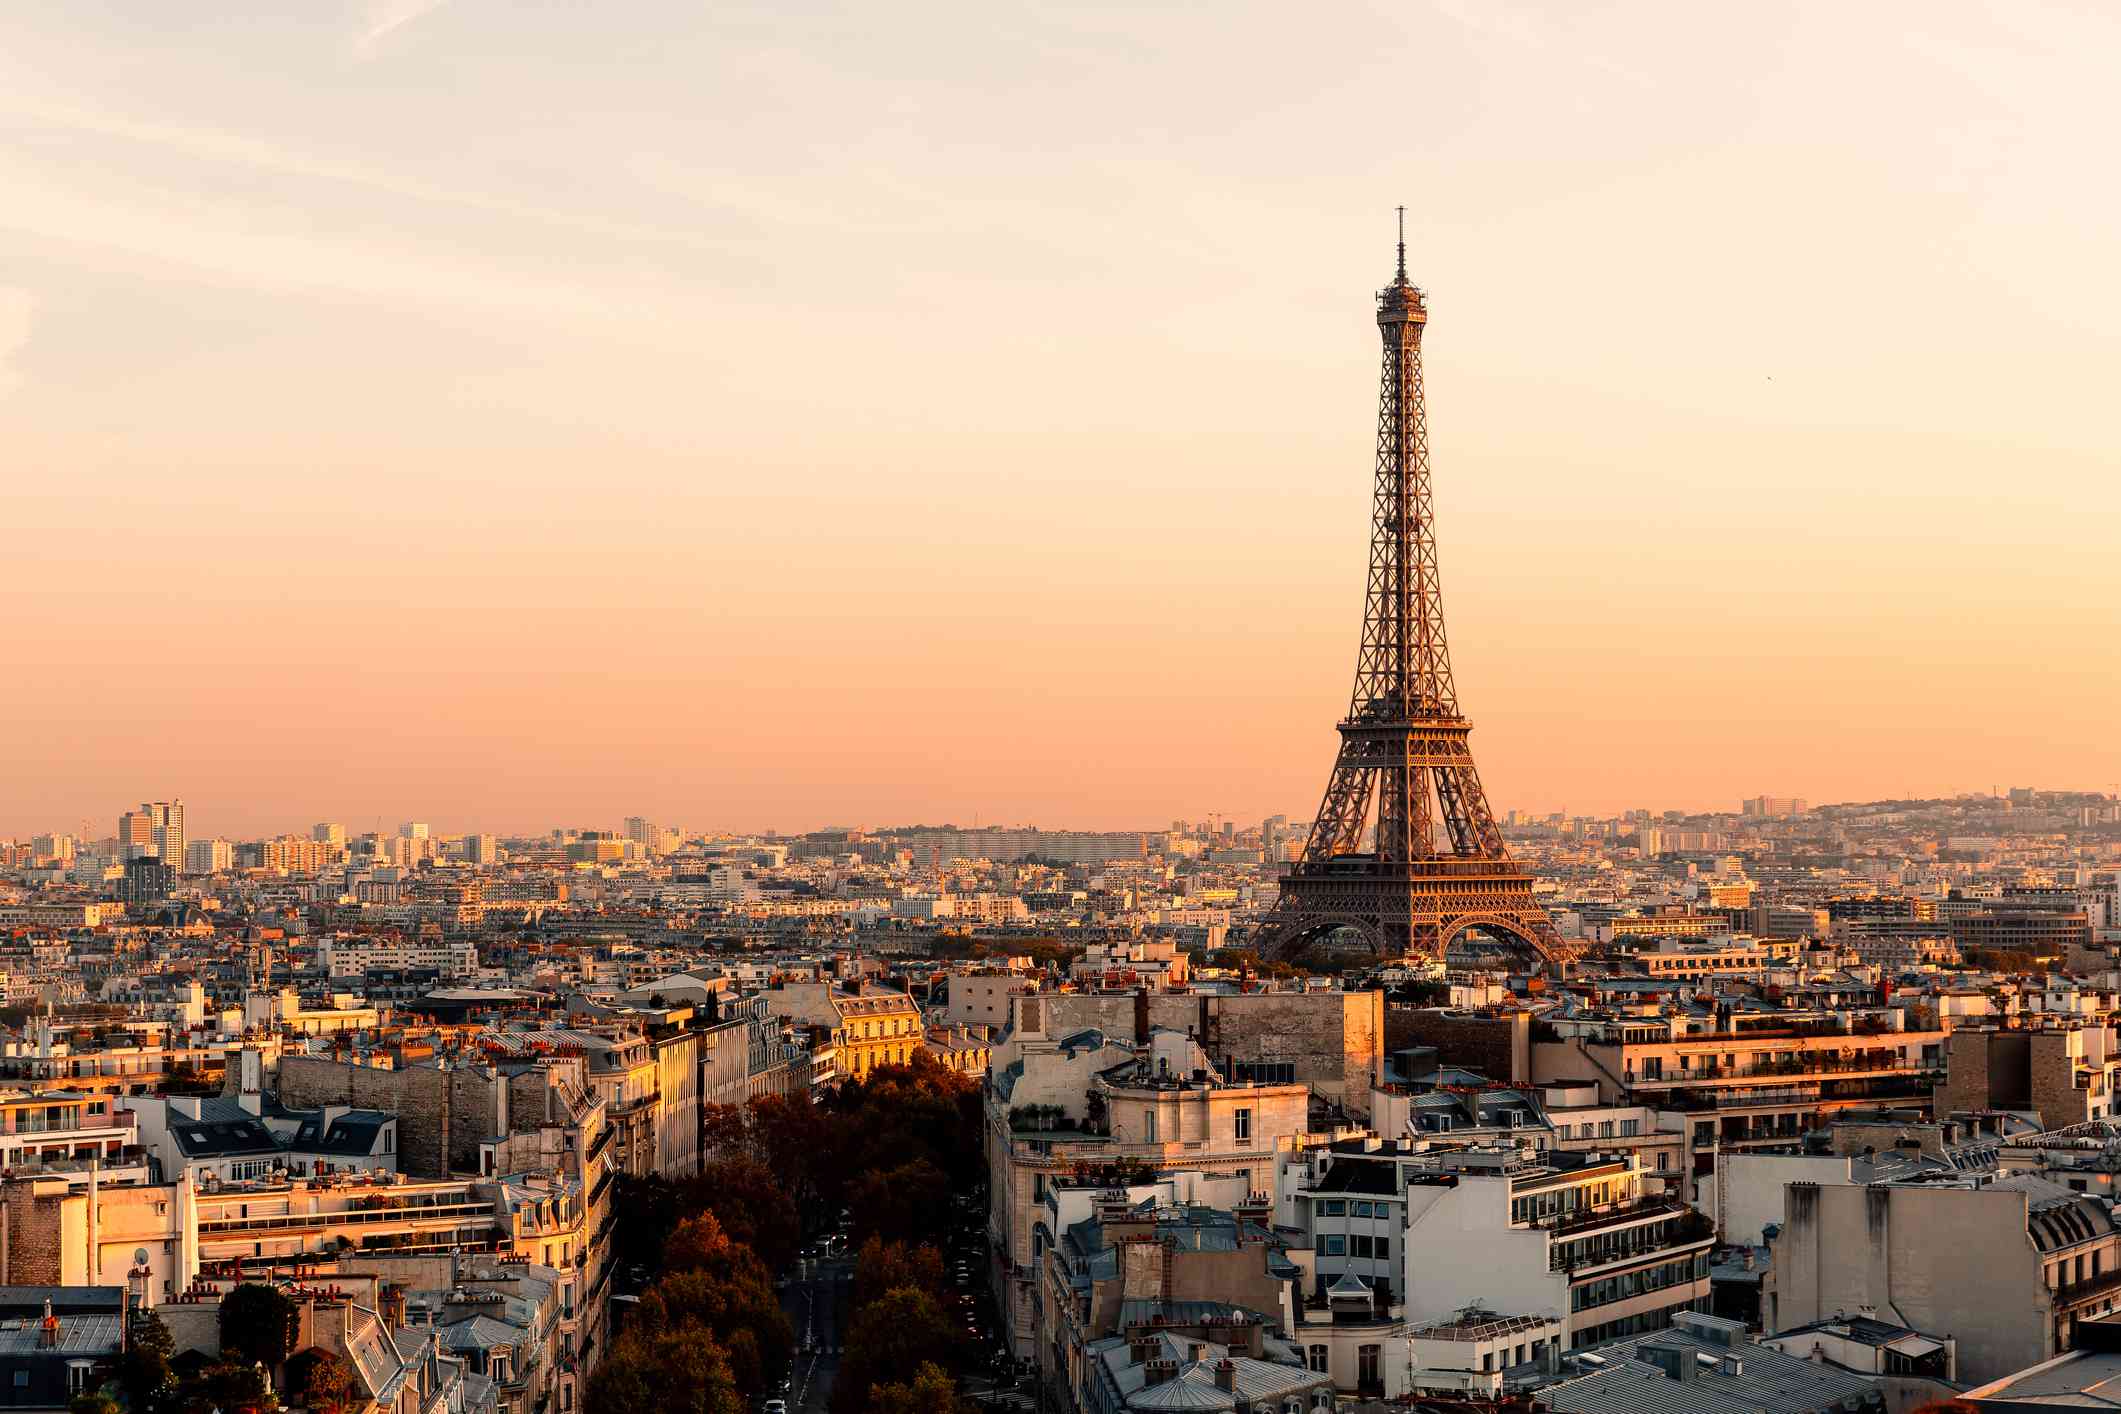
1685	1231
349	1217
1563	1224
1789	1069
2075	1293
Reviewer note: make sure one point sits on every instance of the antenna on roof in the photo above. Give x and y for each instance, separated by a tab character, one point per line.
1402	242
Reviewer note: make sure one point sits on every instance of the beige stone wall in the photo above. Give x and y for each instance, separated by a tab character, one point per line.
1945	1261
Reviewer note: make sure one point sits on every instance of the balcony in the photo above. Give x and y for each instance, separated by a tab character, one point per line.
456	1214
2076	1293
1690	1229
1820	1067
1569	1224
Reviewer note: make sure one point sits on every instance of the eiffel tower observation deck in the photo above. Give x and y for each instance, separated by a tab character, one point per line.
1403	856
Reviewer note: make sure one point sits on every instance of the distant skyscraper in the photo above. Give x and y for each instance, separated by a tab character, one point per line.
413	830
165	819
136	835
156	828
328	833
1773	806
481	849
208	856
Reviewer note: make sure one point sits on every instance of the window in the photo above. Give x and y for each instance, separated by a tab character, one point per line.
1318	1358
1359	1246
1629	1128
1384	1249
1333	1245
1149	1125
1366	1367
1243	1120
1360	1210
1332	1207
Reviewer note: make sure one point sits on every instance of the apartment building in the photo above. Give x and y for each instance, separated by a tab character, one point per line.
2062	1071
357	955
2007	1266
872	1027
1745	1080
1439	1226
1061	1107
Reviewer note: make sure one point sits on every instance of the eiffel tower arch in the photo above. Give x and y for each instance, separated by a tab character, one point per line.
1404	851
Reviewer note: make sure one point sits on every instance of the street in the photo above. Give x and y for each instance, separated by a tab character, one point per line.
817	1297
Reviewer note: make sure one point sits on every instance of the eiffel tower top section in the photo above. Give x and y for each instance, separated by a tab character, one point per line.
1403	670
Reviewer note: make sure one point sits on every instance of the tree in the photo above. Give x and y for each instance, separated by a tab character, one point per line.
233	1387
752	1206
931	1391
722	1287
882	1267
742	1312
143	1371
321	1381
726	1129
92	1401
681	1369
903	1204
258	1324
890	1339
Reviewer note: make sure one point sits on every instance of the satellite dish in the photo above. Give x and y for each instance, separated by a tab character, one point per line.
139	1256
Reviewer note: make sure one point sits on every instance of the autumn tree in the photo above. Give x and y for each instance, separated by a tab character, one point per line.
682	1369
930	1391
722	1287
891	1337
752	1205
321	1381
883	1266
258	1324
144	1371
903	1204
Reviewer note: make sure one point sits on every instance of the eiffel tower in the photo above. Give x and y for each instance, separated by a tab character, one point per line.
1404	850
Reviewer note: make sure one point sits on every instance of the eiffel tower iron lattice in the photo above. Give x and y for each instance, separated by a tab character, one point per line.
1404	849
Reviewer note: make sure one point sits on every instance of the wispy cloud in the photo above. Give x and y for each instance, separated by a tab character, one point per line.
1529	30
18	101
384	18
16	306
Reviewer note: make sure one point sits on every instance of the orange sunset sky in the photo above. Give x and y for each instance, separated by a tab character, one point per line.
791	415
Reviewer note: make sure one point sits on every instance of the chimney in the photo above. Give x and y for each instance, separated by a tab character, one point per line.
1155	1372
48	1328
1226	1375
1140	1350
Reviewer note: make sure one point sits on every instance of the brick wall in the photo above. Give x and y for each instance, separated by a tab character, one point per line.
1498	1047
36	1232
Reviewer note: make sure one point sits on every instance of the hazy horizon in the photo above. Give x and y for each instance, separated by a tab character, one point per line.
791	414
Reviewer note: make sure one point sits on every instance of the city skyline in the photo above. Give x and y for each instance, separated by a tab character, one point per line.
653	444
87	829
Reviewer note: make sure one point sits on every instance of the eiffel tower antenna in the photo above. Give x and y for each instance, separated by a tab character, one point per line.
1404	849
